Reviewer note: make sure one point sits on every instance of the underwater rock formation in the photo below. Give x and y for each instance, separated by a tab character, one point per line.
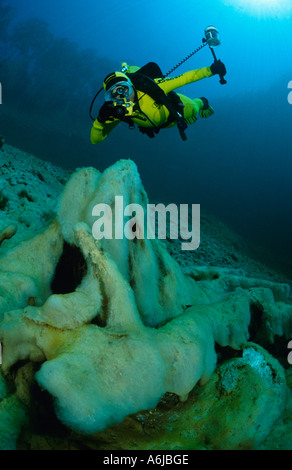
114	325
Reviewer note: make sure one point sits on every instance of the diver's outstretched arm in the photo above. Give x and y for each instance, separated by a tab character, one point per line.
169	84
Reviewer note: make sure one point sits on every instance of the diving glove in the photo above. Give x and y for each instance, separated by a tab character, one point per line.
207	110
218	68
106	112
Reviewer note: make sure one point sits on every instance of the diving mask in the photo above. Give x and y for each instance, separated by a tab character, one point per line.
121	90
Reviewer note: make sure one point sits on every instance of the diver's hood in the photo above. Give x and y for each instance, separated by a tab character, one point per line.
114	78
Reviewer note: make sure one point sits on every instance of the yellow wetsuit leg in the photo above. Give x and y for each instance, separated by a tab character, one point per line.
191	109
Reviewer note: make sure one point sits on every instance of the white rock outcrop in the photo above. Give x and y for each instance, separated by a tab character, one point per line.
115	324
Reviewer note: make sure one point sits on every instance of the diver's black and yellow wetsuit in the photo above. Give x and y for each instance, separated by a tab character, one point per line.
148	113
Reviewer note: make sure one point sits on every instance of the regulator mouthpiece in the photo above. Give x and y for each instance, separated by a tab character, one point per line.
212	36
118	91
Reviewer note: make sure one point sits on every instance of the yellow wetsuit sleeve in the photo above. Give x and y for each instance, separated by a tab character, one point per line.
100	131
169	84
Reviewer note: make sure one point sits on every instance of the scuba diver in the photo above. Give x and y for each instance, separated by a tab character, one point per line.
143	96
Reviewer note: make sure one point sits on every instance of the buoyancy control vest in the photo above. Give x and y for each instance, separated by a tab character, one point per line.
143	80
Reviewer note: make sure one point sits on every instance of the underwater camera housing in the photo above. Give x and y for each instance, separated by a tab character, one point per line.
122	108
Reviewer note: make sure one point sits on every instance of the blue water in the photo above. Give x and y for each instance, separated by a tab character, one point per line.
237	164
